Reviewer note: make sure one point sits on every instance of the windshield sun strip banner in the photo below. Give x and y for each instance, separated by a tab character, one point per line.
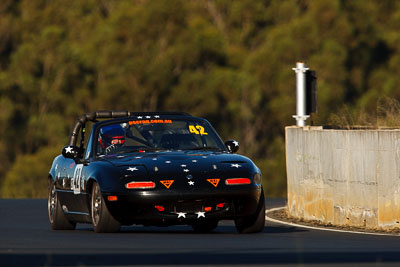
149	122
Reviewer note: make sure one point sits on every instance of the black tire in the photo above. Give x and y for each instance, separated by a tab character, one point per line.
57	218
102	220
204	227
253	223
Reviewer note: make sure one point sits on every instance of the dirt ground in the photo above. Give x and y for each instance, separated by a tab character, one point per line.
282	215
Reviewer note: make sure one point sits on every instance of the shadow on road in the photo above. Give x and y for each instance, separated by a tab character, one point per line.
220	230
258	257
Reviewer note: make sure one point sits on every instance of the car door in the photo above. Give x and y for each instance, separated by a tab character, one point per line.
78	197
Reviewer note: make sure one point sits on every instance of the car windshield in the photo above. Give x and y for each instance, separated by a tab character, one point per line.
156	134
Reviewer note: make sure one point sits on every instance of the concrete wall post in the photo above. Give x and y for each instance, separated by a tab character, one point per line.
344	177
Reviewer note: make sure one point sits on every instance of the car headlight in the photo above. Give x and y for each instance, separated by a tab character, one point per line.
257	178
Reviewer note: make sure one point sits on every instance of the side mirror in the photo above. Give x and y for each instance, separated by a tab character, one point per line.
232	146
71	152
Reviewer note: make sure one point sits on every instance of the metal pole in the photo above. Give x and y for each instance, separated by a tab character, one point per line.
301	116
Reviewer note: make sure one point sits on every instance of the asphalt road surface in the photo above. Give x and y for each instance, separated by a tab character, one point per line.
27	240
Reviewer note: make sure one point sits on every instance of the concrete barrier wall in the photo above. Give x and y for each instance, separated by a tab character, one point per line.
344	177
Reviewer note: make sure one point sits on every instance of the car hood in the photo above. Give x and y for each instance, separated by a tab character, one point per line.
166	164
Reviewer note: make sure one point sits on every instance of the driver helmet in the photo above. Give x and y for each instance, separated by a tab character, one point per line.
111	135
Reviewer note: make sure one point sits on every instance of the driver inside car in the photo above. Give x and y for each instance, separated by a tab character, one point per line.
111	137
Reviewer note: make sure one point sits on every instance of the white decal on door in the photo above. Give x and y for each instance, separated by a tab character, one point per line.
77	179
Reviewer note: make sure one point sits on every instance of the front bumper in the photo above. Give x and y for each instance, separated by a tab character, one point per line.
163	208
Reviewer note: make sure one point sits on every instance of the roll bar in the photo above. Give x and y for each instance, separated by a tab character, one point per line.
108	114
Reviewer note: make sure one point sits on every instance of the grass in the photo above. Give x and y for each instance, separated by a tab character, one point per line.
386	116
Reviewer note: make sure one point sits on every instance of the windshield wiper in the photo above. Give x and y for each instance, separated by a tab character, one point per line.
144	149
203	148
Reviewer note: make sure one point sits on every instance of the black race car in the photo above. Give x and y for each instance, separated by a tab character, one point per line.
164	168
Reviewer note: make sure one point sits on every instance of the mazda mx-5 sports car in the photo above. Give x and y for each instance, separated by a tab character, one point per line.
152	168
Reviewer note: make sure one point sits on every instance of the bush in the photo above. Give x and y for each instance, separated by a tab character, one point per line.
27	177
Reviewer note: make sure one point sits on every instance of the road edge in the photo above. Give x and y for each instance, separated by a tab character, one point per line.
267	218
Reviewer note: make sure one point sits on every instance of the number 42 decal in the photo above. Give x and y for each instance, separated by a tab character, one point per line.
77	180
197	129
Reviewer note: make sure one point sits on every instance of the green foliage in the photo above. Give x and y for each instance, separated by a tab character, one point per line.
274	168
27	177
228	61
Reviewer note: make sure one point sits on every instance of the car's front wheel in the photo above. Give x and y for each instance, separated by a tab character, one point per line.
102	220
57	218
255	222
